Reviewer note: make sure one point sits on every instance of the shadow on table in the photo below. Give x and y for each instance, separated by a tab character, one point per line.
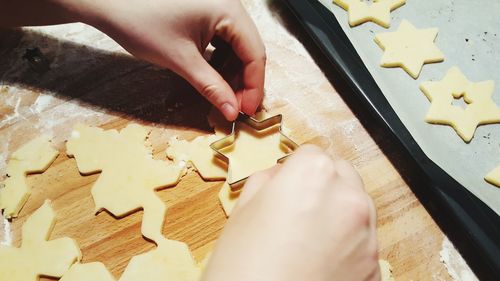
380	136
117	83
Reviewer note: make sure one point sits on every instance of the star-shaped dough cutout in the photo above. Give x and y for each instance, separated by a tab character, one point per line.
95	271
172	260
129	174
38	257
228	198
33	157
198	153
409	48
480	107
378	11
252	146
493	177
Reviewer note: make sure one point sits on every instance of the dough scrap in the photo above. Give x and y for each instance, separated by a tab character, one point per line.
379	11
199	153
385	271
171	261
493	177
228	198
129	174
480	107
37	256
94	271
33	157
409	48
253	151
204	263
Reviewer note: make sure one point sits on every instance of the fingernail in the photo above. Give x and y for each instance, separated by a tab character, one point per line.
229	111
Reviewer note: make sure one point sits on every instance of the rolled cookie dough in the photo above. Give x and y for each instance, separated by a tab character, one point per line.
253	151
37	256
129	175
33	157
385	271
94	271
228	198
171	261
199	153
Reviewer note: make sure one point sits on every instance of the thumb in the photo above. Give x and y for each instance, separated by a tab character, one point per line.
254	184
209	83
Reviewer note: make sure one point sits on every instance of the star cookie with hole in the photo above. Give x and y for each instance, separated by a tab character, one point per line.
480	108
378	11
409	48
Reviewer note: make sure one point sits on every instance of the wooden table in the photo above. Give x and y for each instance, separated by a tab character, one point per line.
93	81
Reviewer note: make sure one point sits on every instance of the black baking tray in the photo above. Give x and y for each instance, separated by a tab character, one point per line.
469	223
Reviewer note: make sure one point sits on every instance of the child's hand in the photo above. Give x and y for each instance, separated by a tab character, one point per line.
308	219
174	34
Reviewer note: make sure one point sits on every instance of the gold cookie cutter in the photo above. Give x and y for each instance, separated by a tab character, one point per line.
257	125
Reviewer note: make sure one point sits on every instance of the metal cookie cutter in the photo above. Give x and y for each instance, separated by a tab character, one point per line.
258	126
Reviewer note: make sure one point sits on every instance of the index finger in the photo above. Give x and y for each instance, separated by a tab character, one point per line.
241	33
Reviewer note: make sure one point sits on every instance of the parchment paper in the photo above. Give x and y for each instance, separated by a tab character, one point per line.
469	37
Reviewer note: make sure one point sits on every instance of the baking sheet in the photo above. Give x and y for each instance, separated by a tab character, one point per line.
469	32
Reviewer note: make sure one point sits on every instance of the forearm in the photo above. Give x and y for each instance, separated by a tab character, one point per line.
47	12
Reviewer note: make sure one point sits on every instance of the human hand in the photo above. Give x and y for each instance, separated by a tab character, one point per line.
175	34
169	33
309	219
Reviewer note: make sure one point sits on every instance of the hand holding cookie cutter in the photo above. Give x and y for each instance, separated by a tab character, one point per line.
258	126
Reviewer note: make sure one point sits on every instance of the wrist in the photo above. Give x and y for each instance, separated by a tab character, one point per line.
90	12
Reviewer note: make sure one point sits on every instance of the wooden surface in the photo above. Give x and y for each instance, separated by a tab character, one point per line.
93	81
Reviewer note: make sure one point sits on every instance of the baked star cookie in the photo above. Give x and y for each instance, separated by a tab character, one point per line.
409	48
480	108
379	11
493	177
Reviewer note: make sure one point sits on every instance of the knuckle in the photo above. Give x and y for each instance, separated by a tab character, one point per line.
210	92
322	164
257	175
308	148
262	56
358	208
318	162
326	163
343	165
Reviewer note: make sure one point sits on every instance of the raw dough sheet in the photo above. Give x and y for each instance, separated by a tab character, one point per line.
469	36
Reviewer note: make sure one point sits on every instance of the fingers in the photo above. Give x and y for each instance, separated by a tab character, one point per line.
206	80
347	171
308	161
255	183
244	38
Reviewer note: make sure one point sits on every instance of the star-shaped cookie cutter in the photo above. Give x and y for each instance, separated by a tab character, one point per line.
257	125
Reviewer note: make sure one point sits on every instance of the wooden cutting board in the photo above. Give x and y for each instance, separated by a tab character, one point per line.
93	81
